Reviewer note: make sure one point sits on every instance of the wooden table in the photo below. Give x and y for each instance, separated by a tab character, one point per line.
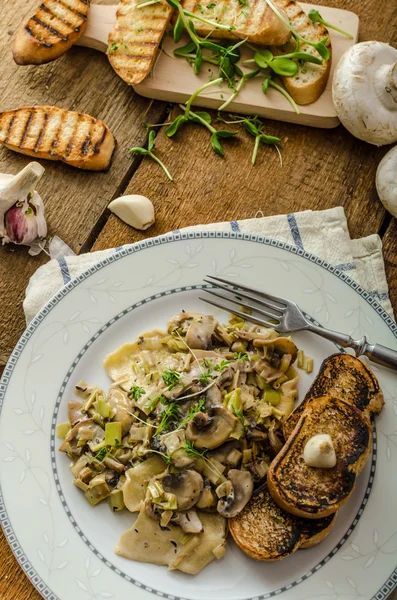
322	169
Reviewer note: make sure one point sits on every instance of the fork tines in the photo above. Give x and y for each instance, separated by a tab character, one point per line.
262	305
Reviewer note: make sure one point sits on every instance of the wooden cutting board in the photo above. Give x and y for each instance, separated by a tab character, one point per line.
172	79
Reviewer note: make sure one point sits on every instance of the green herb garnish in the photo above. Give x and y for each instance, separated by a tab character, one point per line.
315	16
149	152
222	365
136	392
171	377
198	407
169	414
241	356
193	452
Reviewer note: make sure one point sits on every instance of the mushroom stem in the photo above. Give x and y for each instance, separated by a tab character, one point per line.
385	83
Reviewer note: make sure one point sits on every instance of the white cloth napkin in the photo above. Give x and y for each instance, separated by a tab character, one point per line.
323	233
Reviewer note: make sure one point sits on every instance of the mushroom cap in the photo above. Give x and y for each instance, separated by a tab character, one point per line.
186	485
199	334
386	181
241	492
210	430
364	92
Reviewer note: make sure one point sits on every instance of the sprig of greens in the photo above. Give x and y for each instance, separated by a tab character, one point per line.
149	152
169	414
193	452
238	87
242	355
319	46
136	392
285	65
254	126
205	377
269	82
222	365
198	407
171	378
315	16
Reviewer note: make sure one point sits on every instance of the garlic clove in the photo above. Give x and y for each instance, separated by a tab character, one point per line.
22	218
319	452
135	210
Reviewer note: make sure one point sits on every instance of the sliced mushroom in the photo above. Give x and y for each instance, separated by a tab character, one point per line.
190	522
187	487
74	412
207	499
283	345
242	487
223	451
153	511
213	397
212	429
200	332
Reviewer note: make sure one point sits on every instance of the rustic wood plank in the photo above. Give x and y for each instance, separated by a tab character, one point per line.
390	254
75	200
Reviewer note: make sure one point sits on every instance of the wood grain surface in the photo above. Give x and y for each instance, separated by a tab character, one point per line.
321	169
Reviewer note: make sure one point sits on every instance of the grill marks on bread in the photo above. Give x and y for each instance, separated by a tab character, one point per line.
58	134
135	38
255	21
54	27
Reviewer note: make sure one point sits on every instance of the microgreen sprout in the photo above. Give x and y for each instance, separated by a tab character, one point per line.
284	65
241	356
149	152
320	46
136	392
239	86
222	365
315	16
269	82
198	407
169	415
193	452
171	378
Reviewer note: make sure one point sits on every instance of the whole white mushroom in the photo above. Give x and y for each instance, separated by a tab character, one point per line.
364	92
386	181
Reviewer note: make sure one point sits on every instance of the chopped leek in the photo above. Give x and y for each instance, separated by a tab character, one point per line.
113	433
62	430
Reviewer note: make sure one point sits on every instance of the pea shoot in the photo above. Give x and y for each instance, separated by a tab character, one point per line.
320	46
315	17
149	152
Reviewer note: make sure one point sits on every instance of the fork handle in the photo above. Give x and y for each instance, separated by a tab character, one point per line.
375	352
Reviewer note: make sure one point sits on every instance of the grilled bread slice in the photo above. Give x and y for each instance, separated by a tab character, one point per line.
266	532
255	21
311	80
54	28
135	38
312	492
343	376
58	134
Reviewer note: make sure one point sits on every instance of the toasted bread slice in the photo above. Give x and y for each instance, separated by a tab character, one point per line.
256	21
343	376
311	492
55	26
58	134
311	80
135	38
266	532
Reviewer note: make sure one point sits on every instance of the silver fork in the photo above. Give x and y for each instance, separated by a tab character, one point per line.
286	316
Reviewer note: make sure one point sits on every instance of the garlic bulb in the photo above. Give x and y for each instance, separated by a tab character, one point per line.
319	452
22	219
137	211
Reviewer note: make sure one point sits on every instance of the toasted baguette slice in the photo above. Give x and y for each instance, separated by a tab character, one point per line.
58	134
256	21
266	532
311	80
343	376
54	28
311	492
135	38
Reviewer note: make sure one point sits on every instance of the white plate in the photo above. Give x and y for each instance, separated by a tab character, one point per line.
65	546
